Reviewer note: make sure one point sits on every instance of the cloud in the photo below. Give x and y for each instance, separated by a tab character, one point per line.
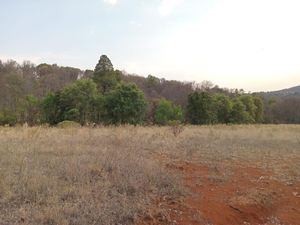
111	2
167	6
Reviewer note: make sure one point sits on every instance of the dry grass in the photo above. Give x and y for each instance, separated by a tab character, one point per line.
109	175
77	176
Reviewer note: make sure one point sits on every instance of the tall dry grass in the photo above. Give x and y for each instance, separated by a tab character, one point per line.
109	175
78	176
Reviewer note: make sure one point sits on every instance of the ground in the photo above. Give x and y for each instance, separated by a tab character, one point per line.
249	196
206	175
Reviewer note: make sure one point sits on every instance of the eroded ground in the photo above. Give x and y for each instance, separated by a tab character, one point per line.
247	195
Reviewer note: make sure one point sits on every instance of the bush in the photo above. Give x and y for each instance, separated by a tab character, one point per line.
68	124
200	108
75	102
72	115
52	110
239	114
166	111
6	119
125	105
251	108
222	107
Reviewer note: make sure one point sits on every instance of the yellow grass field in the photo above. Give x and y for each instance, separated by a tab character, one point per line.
142	175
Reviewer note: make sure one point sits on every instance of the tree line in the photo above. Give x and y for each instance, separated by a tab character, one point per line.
52	94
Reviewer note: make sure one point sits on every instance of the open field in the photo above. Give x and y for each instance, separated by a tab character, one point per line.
210	175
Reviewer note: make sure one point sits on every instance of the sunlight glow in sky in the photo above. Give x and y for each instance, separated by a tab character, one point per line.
250	44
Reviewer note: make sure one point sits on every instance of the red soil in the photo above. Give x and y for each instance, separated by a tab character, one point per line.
236	196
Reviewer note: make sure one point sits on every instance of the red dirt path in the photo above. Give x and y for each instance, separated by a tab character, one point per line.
236	196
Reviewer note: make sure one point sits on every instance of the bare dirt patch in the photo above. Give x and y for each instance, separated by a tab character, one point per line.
249	196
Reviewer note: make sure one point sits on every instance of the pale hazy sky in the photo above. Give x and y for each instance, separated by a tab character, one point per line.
250	44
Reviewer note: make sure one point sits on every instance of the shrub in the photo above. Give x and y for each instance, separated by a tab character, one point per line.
251	108
223	107
72	115
8	119
68	124
125	105
239	114
51	107
75	102
200	109
166	111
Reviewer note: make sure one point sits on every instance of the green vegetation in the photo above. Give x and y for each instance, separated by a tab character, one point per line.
222	107
239	113
200	109
125	105
52	94
206	108
105	76
166	112
7	119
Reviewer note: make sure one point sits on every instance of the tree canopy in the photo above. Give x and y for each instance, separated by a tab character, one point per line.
105	76
75	102
200	109
125	105
167	111
51	93
104	65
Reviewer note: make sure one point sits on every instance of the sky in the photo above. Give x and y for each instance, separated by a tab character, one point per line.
249	44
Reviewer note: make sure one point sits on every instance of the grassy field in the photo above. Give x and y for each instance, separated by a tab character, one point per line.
115	175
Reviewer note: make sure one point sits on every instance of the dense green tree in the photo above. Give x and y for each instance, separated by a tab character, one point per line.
239	113
98	109
200	109
125	105
107	81
166	111
53	113
223	107
104	65
75	102
72	115
248	101
105	76
77	99
259	112
7	118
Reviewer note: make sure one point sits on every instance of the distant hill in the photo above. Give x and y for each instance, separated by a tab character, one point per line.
289	92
